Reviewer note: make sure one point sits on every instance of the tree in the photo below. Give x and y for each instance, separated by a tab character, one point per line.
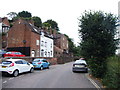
72	48
25	14
12	15
97	30
37	21
53	24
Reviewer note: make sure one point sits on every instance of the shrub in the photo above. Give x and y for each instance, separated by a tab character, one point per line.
112	76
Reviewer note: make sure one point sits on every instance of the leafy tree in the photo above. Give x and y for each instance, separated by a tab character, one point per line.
37	21
53	24
97	30
72	48
25	14
46	25
12	14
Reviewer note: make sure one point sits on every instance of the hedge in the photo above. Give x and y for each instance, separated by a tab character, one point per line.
112	76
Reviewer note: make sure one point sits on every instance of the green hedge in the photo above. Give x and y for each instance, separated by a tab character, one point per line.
112	76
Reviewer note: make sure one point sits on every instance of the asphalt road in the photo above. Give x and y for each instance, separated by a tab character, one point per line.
58	76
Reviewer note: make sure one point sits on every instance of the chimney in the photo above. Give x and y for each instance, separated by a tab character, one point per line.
51	31
54	32
31	22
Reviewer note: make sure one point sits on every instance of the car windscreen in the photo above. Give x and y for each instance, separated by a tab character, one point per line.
6	62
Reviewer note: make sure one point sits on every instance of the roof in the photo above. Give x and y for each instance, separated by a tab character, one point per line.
29	25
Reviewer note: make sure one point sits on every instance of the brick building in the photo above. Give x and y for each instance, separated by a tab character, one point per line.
24	37
60	44
4	28
30	40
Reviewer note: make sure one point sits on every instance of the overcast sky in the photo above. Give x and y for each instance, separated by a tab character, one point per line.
64	12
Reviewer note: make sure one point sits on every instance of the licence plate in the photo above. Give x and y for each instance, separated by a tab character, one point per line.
79	66
34	66
4	66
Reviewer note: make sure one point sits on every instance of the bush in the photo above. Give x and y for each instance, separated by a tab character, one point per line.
112	76
97	67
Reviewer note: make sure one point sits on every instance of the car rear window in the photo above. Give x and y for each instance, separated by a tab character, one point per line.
9	53
6	62
36	60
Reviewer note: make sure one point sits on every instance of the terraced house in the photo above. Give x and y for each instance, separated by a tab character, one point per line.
29	40
4	28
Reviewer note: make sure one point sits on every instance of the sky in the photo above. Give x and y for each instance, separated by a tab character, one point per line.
64	12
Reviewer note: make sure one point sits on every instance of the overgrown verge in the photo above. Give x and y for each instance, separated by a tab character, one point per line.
112	76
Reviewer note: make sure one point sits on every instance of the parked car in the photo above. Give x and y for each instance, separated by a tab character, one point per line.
13	54
15	66
40	63
2	52
80	65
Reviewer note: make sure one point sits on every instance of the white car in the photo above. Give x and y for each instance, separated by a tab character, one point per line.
16	66
80	65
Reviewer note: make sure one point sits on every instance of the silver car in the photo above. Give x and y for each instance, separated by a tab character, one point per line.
80	65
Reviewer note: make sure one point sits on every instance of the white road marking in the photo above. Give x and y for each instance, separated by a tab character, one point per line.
93	83
4	81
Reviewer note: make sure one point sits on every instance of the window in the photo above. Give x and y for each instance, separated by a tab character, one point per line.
48	54
42	42
51	45
51	53
63	39
18	62
45	53
42	53
44	61
63	44
45	44
6	62
24	62
37	42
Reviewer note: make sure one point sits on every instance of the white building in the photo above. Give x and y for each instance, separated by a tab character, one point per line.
46	46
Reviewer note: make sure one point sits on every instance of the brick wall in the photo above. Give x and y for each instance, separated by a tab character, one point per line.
21	35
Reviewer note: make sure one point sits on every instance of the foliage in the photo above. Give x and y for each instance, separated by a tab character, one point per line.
12	14
51	24
46	25
25	14
97	30
112	76
37	21
72	48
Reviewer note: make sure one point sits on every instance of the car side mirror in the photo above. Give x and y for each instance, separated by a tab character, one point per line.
28	63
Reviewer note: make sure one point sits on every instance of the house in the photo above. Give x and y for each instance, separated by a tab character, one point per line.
60	44
4	28
29	40
5	25
46	45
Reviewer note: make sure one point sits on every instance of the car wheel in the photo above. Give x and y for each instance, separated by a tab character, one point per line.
48	67
15	73
41	68
86	71
31	70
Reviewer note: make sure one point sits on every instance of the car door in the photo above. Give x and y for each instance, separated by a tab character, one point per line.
26	66
45	63
20	66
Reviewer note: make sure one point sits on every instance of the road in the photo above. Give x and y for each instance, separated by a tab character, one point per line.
58	76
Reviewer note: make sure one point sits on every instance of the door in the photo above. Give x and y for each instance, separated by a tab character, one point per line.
26	66
32	53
